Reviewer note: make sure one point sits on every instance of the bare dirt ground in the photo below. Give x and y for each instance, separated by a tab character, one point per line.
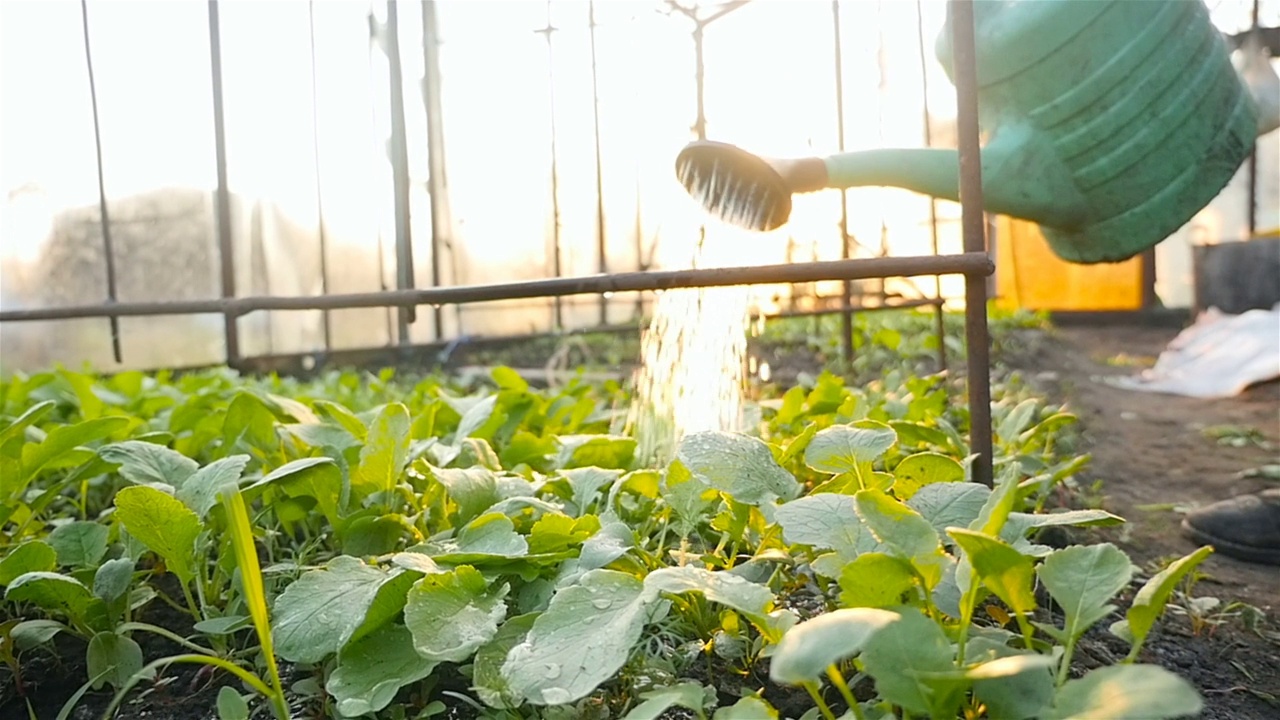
1154	459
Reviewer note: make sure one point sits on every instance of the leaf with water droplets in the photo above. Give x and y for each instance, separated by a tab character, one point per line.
586	483
738	465
582	639
491	536
318	613
372	670
734	591
452	614
490	685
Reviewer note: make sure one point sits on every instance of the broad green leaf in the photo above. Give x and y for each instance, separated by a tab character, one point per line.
33	633
490	685
491	535
810	647
875	580
1019	523
371	671
144	463
606	451
163	524
200	491
89	402
689	498
473	489
112	659
903	654
509	379
79	544
904	533
61	440
1149	602
316	477
343	417
1004	571
688	695
556	532
738	465
385	452
51	591
826	522
248	419
452	614
608	544
1082	579
475	417
581	640
842	448
752	600
113	578
926	468
28	418
1126	692
586	483
320	436
318	613
1014	684
231	705
798	444
30	556
748	708
389	601
947	505
995	512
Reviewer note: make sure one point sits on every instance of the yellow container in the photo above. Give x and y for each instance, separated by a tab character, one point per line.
1030	276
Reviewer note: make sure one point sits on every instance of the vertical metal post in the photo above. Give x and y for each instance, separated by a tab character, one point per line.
938	315
400	170
846	299
557	270
103	216
222	198
1253	153
977	339
315	128
436	183
602	265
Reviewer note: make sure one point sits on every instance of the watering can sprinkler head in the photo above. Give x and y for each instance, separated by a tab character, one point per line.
743	189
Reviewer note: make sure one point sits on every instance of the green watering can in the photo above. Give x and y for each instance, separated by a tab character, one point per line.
1111	123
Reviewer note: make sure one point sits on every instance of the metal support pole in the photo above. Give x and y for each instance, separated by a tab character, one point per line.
436	183
556	269
399	152
969	264
602	265
1253	153
939	319
846	316
977	339
103	215
315	128
222	200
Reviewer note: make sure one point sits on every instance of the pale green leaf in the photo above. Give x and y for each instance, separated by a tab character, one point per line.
1014	685
79	544
371	671
1126	692
200	491
475	417
748	708
921	469
689	695
606	451
947	505
144	463
810	647
231	705
30	556
903	654
1083	579
63	439
738	465
827	522
51	591
841	448
112	659
488	681
734	591
318	613
586	483
905	533
163	524
28	418
472	489
452	614
385	452
875	580
1004	571
113	578
581	640
33	633
1149	602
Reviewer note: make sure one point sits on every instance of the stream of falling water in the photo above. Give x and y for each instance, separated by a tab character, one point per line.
692	375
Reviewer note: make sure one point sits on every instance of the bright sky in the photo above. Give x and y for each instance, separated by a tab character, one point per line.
770	80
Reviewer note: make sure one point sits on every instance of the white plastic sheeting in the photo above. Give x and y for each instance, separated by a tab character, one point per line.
1216	357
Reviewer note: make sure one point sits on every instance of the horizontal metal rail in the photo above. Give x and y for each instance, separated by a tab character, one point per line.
971	263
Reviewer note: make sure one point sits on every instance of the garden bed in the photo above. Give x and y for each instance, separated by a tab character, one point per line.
418	548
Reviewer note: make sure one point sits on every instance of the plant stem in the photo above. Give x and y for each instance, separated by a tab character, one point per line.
148	627
1065	668
812	688
191	601
837	679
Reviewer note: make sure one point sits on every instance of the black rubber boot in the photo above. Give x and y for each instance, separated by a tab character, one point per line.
1245	527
